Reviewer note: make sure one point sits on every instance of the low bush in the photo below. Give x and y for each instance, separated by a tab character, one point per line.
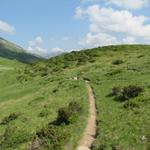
63	116
117	62
140	56
51	137
86	79
116	91
8	119
126	93
67	115
54	135
131	91
55	90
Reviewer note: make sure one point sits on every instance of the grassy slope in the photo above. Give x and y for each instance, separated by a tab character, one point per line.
31	98
118	127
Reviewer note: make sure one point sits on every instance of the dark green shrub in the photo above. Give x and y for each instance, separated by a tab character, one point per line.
131	91
55	90
67	115
116	91
63	116
55	134
117	62
8	119
126	93
52	137
86	79
140	56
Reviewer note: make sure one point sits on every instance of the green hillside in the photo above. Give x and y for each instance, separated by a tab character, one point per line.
42	107
12	51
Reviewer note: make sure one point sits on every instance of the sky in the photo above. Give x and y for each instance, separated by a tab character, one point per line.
47	27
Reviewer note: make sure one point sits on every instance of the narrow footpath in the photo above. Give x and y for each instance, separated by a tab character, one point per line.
88	136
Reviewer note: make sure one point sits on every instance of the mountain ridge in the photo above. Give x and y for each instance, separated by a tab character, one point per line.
12	51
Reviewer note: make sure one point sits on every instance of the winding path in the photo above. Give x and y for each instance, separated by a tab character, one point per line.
90	131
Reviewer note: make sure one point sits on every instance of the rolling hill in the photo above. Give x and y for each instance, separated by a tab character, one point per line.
45	105
12	51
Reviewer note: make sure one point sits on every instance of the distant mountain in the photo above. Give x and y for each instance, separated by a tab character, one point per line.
10	50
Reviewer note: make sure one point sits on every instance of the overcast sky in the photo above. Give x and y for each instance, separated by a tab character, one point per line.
52	26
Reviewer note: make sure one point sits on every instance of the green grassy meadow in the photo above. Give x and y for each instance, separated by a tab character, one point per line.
37	91
37	103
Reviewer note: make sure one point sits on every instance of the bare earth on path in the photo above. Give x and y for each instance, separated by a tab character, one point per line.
90	131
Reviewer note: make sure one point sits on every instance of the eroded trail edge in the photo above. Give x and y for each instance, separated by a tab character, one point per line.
90	131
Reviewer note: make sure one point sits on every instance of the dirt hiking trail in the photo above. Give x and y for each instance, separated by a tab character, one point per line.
87	138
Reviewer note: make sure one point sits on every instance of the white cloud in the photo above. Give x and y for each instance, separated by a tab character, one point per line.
5	27
129	40
39	40
57	50
129	4
37	50
110	22
99	39
79	13
35	47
